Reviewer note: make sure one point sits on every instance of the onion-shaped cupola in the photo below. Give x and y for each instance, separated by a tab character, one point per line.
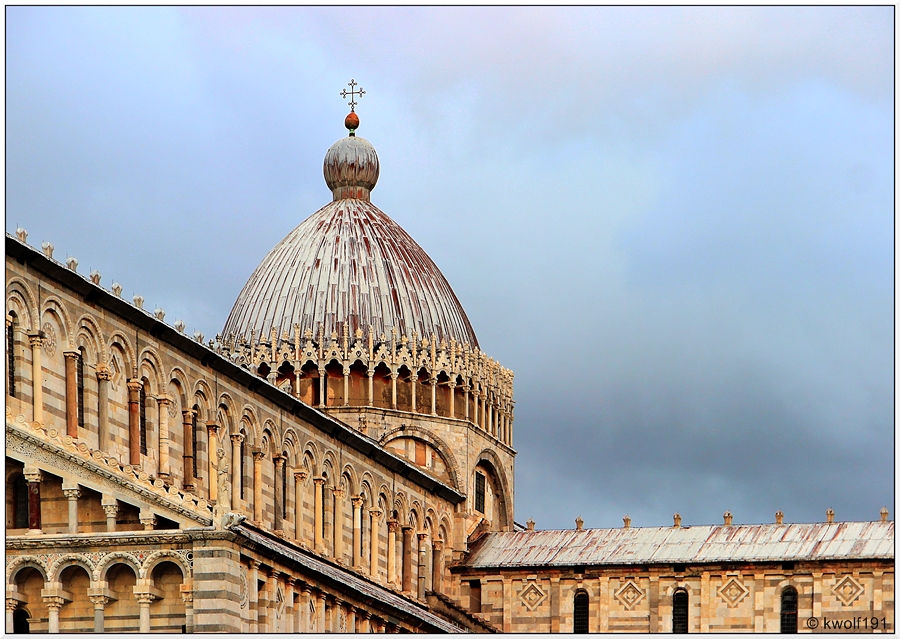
349	264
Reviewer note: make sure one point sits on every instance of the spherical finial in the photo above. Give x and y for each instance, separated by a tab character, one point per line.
351	122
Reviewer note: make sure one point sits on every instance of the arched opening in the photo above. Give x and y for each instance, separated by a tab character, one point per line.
167	614
680	611
309	384
263	370
73	614
29	583
285	372
423	392
789	610
21	624
381	386
359	392
442	395
79	384
122	613
242	468
196	467
404	389
334	384
580	615
486	481
459	398
284	483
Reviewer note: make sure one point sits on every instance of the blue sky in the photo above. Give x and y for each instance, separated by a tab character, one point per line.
674	224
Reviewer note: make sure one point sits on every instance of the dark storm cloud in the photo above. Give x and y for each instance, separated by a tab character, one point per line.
674	224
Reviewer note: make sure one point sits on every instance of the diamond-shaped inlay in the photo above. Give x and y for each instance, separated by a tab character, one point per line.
532	596
733	591
848	590
629	595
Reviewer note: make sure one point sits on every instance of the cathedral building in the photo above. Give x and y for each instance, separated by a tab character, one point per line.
338	459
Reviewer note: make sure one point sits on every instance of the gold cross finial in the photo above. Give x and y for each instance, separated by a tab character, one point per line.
352	93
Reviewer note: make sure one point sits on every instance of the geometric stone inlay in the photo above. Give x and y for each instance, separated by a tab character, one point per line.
629	595
848	590
732	591
532	596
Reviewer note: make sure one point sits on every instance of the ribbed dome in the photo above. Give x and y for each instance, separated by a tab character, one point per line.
349	262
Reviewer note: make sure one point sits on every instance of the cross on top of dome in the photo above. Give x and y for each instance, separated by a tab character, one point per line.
352	93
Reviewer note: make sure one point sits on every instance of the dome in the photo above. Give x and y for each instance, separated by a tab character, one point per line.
349	263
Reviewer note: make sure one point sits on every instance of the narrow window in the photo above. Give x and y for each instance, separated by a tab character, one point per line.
680	612
79	381
475	596
580	616
11	356
789	610
243	453
20	502
284	475
194	438
143	409
479	492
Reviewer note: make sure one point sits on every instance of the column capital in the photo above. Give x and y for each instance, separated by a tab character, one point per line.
258	455
134	385
71	354
375	512
144	598
422	535
407	530
99	601
279	461
32	474
36	339
72	493
338	492
103	374
54	603
188	415
212	427
237	438
111	510
11	604
254	564
393	525
357	501
320	481
438	544
163	400
147	519
301	475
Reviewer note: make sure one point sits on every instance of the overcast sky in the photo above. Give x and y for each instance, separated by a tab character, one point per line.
675	225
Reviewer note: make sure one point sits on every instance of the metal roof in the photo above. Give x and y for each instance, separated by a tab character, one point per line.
687	545
349	263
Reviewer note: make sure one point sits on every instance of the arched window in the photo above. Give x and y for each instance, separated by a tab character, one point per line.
680	612
79	381
581	615
20	502
479	492
284	475
194	438
143	413
789	609
11	356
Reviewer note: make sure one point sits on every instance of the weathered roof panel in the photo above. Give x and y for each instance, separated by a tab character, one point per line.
688	545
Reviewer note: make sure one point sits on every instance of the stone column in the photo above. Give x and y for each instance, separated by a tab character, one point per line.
262	603
299	477
452	399
254	596
364	617
147	518
347	387
99	602
406	579
394	390
320	621
187	597
374	517
212	432
162	405
257	486
492	427
71	393
475	400
37	379
144	600
103	377
336	615
437	565
351	619
289	609
33	479
322	398
11	605
420	591
414	379
188	456
304	608
393	527
72	493
356	553
272	601
53	605
338	524
318	506
134	422
433	383
279	490
466	399
236	479
371	374
111	508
